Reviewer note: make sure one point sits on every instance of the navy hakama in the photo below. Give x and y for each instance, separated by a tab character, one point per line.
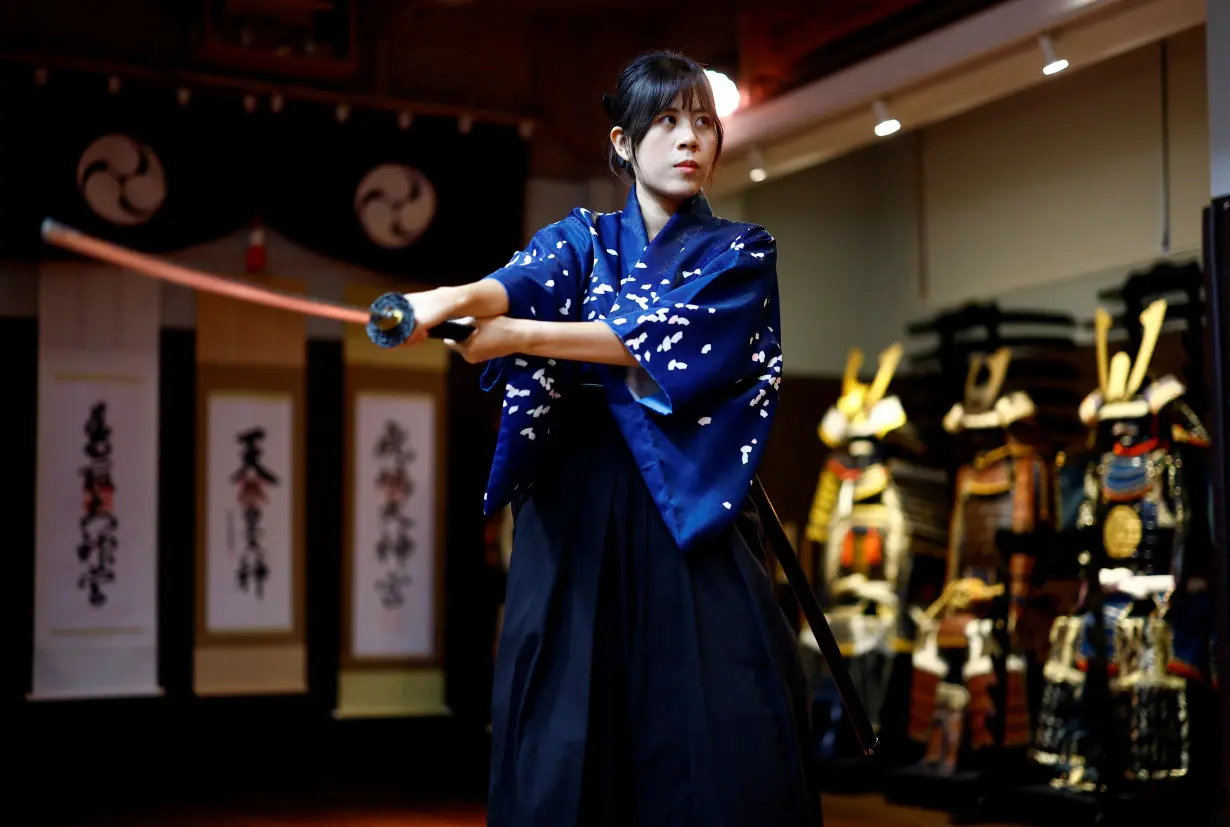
636	684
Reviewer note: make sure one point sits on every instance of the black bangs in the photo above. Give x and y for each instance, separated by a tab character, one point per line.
651	84
657	94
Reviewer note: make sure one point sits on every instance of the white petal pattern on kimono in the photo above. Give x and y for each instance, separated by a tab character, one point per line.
706	302
716	309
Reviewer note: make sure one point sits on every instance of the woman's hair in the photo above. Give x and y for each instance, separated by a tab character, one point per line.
646	86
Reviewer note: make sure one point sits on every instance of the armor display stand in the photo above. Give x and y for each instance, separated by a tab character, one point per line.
977	666
1217	293
1217	266
1043	345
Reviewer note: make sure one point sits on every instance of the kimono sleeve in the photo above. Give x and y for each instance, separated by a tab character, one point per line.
713	330
543	280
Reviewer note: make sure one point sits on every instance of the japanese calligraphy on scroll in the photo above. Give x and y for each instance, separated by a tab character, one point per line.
96	548
249	525
393	578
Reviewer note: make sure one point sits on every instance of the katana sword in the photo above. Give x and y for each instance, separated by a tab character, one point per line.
390	322
864	731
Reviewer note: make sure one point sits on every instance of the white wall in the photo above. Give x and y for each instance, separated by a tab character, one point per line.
1038	201
847	252
1218	34
547	200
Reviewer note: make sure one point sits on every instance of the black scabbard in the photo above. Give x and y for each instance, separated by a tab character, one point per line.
784	552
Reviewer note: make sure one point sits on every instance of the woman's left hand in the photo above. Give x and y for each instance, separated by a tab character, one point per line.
492	338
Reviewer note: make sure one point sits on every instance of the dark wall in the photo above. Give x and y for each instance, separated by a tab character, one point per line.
794	454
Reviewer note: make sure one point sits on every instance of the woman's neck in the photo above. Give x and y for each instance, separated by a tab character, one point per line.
656	210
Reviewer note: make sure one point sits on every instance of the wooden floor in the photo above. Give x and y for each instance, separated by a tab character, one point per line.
840	811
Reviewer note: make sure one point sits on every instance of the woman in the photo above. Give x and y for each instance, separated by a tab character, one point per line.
645	674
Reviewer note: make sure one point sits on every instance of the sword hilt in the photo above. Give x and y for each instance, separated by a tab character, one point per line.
392	323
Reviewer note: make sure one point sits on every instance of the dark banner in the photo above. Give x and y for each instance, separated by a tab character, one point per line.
429	203
140	167
23	135
143	167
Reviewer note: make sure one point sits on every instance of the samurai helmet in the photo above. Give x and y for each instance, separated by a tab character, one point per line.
1119	395
863	411
984	407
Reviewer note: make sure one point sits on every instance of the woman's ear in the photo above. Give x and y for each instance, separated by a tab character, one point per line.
620	141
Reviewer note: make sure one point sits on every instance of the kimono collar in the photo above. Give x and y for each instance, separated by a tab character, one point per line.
692	215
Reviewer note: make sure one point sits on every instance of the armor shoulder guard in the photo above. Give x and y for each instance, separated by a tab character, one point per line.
822	505
1186	428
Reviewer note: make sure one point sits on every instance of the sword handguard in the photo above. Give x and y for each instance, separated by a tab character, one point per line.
392	322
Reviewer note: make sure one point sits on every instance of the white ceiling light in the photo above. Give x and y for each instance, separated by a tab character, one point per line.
726	95
884	124
1053	64
757	172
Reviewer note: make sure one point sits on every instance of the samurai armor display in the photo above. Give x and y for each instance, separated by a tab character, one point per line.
1139	519
970	690
859	526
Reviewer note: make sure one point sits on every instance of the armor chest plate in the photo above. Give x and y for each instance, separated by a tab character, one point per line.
862	523
865	537
861	486
986	505
1137	522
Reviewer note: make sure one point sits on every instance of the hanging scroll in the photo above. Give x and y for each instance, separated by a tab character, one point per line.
250	545
96	549
392	634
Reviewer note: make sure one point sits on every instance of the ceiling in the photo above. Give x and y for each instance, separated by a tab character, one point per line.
545	60
966	65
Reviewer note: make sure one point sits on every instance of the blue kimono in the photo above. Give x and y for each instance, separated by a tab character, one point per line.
645	674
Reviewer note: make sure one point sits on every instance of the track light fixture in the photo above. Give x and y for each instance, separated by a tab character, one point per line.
757	172
884	124
1053	64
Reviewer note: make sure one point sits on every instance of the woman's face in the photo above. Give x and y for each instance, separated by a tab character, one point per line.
675	158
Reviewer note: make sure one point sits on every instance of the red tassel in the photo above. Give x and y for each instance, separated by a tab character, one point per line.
254	256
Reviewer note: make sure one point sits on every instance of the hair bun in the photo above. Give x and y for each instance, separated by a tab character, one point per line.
608	105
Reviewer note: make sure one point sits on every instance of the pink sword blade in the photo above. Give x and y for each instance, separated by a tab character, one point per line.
147	265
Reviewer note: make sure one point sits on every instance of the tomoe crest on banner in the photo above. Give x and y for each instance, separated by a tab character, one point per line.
394	205
121	179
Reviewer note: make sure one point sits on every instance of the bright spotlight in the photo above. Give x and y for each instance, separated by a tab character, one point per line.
726	95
